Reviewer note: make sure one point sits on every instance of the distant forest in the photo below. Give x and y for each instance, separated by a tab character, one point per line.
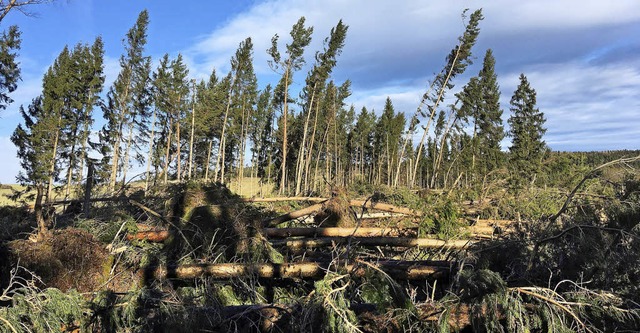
226	128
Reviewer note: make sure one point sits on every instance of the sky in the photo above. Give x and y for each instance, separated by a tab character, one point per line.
581	56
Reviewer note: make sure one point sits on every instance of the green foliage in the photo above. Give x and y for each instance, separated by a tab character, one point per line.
43	311
526	132
330	293
9	71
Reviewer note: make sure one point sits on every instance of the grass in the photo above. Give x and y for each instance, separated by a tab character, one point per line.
6	190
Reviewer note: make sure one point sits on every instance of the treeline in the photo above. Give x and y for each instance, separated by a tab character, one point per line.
227	128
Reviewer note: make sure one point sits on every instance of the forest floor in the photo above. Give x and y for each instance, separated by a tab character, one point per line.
193	257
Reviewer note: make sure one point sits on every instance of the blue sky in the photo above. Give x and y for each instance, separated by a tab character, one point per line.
582	57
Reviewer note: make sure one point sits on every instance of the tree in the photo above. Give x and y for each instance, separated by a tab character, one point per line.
128	102
481	106
241	94
9	70
325	61
457	62
301	37
8	5
79	84
527	128
35	151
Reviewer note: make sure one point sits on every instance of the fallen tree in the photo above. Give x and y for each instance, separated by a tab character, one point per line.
297	244
338	232
406	270
284	199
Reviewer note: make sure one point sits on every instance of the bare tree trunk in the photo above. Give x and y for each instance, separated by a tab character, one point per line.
300	163
220	158
37	209
168	149
125	165
285	108
178	144
311	145
193	123
52	168
149	156
206	169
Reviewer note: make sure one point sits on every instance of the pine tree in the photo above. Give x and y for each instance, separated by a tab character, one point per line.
9	70
35	151
457	62
481	106
527	129
301	37
128	102
325	62
240	96
82	80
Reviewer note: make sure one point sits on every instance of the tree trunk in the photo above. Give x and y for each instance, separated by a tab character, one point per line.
310	270
285	107
150	155
52	169
300	163
431	243
193	123
168	149
125	165
178	144
206	169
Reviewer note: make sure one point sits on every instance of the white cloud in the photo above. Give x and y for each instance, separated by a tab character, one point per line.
587	107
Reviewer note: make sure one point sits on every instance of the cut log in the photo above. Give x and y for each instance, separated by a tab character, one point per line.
338	232
373	216
406	270
160	235
156	236
283	199
376	241
294	215
385	207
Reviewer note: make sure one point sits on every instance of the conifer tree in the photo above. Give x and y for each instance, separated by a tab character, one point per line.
526	132
457	62
9	70
481	106
82	80
128	102
301	37
240	96
325	62
35	151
